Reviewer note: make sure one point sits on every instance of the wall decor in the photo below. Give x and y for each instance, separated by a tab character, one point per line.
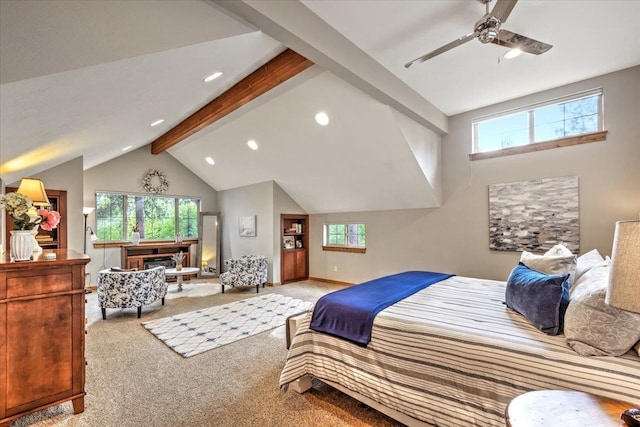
534	215
154	181
247	226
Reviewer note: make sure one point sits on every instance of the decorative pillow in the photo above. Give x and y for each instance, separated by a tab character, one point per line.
587	261
539	297
594	328
557	260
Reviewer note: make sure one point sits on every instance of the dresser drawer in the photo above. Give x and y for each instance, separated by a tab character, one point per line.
26	284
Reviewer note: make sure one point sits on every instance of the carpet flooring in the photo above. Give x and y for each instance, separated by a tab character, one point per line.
133	379
195	332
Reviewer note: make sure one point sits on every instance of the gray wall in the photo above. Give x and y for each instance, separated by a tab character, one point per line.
455	237
123	174
256	199
267	201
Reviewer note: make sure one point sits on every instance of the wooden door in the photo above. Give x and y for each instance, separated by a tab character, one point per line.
288	265
301	263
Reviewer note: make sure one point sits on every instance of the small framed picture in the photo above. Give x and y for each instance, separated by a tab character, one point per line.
247	226
289	242
298	244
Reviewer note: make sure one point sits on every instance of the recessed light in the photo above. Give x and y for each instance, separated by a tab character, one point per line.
210	161
322	119
252	144
157	122
213	76
128	147
513	53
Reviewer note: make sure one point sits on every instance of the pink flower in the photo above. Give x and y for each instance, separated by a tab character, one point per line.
50	219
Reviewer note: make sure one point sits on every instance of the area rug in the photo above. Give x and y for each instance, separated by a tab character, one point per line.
197	331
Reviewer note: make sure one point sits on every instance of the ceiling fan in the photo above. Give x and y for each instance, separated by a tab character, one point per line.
487	30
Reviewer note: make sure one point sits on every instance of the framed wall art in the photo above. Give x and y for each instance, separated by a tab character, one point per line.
247	226
534	215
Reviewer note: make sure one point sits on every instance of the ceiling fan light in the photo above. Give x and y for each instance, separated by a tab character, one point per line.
513	53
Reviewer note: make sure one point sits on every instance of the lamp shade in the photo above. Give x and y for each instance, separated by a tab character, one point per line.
624	275
87	210
33	189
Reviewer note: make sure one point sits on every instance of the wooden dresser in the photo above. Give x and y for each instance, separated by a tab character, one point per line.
42	333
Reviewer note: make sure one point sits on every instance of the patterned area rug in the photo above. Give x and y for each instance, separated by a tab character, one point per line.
194	332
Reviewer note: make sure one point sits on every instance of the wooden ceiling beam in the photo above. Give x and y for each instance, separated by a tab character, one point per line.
278	70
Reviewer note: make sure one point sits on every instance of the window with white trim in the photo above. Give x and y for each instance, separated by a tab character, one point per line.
573	115
157	217
349	235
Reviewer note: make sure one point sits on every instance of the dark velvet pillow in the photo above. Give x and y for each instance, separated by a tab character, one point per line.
541	298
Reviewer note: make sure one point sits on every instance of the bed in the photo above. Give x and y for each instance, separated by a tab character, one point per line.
453	354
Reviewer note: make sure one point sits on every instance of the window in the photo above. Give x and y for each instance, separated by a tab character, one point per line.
562	118
158	217
344	236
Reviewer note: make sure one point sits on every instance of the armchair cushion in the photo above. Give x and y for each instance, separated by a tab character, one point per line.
126	289
249	270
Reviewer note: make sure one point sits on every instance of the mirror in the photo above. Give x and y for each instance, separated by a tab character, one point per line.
209	244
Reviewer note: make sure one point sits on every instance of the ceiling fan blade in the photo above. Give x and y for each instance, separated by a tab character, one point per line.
525	44
442	49
503	8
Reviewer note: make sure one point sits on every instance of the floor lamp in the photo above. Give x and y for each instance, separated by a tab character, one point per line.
86	211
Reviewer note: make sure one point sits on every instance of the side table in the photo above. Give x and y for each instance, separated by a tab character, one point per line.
548	408
186	271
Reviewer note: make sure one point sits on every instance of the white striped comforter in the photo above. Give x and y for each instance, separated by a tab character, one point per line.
453	354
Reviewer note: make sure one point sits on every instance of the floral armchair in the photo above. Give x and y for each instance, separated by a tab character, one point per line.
128	289
249	270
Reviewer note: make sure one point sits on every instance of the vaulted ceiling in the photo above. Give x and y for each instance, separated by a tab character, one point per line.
87	79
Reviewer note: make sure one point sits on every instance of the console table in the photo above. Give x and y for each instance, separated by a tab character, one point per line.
42	332
151	255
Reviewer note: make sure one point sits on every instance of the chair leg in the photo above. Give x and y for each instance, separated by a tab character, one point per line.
162	300
139	311
222	287
104	313
258	288
263	284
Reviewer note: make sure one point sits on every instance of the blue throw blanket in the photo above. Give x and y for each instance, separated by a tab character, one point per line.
349	313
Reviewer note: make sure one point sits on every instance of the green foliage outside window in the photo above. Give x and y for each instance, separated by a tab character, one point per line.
157	217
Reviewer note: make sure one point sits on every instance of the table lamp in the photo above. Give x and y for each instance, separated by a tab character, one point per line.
33	189
623	291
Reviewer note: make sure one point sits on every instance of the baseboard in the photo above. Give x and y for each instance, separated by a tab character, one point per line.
335	282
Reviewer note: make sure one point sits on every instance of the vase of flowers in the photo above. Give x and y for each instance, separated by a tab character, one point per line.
25	219
135	234
178	259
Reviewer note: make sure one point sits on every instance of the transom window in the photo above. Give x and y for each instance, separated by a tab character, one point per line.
347	235
561	118
157	217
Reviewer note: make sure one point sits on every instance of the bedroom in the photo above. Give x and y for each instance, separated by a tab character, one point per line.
453	237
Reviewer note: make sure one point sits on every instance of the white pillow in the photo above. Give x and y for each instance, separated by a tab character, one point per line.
559	250
588	261
552	264
594	328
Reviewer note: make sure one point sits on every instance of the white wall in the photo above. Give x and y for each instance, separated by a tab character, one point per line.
455	237
123	174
